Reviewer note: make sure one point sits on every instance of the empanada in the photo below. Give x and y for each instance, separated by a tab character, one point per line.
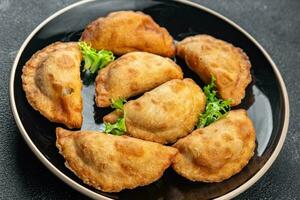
133	74
52	84
165	113
218	151
112	163
126	31
209	56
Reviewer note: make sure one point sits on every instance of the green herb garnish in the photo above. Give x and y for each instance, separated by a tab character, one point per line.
215	108
118	128
118	104
93	60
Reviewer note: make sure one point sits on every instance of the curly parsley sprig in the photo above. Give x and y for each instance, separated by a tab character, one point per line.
215	108
118	128
93	60
118	104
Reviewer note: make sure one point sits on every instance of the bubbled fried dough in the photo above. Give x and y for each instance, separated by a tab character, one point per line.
112	163
127	31
165	113
133	74
52	84
208	56
218	151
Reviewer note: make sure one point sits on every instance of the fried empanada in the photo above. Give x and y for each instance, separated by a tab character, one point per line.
165	113
209	56
133	74
218	151
126	31
52	84
112	163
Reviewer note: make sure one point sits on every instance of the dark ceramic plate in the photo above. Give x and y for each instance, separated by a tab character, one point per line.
266	99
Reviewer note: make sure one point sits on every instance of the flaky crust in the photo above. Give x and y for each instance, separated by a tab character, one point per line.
113	163
165	113
218	151
127	31
52	84
132	74
208	56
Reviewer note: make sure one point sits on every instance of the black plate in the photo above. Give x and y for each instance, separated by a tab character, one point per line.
266	99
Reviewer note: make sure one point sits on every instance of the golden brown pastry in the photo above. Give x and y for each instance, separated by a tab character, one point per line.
218	151
164	114
127	31
52	84
208	56
112	163
133	74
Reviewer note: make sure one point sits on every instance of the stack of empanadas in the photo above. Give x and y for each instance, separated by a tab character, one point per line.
166	113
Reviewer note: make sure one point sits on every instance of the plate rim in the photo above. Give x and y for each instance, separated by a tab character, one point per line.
95	195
